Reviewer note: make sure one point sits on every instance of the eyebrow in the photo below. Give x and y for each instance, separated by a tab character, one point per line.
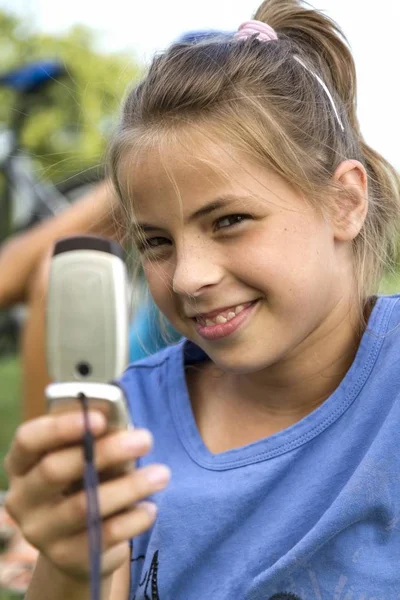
207	209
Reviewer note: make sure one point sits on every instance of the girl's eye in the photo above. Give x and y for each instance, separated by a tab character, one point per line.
230	221
152	243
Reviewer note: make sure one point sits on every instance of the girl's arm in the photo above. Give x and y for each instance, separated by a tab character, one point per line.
97	212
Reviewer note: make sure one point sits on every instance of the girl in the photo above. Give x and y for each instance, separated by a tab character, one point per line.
264	223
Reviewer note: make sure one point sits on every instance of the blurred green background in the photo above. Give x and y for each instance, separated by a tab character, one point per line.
67	130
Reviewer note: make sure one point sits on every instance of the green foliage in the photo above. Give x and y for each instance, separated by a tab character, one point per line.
10	408
69	122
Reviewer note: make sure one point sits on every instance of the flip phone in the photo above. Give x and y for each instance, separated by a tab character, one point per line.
87	323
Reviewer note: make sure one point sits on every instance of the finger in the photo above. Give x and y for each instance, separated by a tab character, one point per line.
56	471
113	496
42	435
72	553
51	522
129	524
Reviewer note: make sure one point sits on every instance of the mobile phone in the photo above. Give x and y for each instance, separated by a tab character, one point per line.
87	323
106	398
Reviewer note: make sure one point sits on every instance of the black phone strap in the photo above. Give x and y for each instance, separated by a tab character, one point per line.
91	482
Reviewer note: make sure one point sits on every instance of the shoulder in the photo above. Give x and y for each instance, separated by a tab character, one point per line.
393	304
147	383
384	321
379	350
385	330
157	362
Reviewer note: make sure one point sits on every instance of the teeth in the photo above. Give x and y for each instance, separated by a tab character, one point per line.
220	320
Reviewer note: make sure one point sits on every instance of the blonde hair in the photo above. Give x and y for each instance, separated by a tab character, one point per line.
268	105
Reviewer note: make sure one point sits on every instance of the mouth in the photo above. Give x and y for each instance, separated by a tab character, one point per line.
220	316
224	322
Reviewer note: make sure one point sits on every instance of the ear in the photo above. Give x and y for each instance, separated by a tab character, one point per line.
351	201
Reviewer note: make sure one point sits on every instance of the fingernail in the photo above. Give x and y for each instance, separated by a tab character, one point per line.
150	508
136	440
159	474
96	420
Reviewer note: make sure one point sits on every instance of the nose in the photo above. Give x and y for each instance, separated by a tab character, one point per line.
197	269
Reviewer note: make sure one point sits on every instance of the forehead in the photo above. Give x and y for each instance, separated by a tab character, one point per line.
186	162
183	172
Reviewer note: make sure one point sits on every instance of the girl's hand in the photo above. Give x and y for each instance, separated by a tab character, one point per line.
46	459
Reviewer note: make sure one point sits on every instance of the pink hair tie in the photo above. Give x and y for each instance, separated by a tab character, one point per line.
264	32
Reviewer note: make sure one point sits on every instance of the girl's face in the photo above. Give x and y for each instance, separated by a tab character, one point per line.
235	258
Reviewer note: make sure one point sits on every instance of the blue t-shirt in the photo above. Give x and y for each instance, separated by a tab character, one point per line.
309	513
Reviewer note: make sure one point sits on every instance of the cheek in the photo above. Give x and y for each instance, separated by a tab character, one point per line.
159	283
293	254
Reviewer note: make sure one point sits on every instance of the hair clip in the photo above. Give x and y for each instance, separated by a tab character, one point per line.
264	32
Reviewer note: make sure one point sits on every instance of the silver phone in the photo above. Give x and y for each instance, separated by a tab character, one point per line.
87	324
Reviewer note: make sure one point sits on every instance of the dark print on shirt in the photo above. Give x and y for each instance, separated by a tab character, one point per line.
150	580
284	596
150	583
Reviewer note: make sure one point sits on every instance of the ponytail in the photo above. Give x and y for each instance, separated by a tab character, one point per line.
321	40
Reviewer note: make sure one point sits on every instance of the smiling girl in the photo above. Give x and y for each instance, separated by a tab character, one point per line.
264	223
